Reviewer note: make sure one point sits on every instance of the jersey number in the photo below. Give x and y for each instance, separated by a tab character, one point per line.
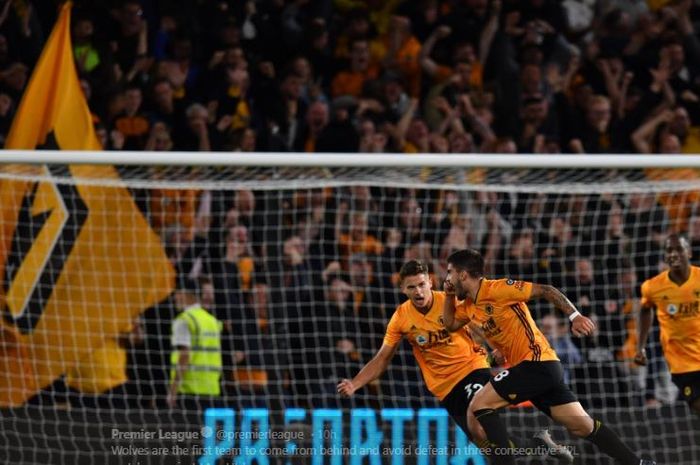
501	375
471	389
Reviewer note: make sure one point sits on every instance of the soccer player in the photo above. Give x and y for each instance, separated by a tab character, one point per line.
498	307
675	294
454	366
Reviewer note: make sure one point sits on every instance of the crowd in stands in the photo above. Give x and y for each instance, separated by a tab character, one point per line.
306	279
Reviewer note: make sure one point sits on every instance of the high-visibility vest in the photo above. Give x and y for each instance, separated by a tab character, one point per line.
203	373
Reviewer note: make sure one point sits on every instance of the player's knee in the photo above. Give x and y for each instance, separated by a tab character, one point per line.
479	402
581	427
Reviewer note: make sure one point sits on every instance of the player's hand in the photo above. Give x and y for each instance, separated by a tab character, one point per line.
448	287
498	357
171	399
346	388
640	358
582	326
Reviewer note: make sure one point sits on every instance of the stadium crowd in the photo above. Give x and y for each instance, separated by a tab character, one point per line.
306	279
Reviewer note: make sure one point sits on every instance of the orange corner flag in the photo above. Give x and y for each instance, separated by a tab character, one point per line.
78	262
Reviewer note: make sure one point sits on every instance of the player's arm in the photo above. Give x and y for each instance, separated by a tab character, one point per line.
495	356
182	363
646	318
580	324
371	371
452	323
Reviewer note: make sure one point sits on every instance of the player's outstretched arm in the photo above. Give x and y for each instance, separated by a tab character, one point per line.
646	318
371	371
448	309
580	325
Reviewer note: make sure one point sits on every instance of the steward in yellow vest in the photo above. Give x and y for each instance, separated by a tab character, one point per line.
196	362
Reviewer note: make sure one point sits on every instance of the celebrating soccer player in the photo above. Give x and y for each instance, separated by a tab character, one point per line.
498	308
675	294
453	365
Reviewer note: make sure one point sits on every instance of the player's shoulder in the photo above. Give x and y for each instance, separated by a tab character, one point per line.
655	281
438	297
495	285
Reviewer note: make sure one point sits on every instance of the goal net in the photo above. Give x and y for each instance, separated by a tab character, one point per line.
300	261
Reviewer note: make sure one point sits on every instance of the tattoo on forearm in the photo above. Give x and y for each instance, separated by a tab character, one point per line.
559	300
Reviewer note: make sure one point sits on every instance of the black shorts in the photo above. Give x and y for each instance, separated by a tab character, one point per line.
689	385
542	383
457	401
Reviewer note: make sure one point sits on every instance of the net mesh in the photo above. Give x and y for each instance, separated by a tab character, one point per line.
301	266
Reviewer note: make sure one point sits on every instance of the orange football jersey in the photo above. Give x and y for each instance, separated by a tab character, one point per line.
444	358
678	311
500	311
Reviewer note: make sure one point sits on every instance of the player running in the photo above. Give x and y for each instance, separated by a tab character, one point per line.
675	294
498	308
454	366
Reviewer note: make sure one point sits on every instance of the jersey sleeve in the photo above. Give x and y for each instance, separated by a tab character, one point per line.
646	300
393	333
181	334
510	290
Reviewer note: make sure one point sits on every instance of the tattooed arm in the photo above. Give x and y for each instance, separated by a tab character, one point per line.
580	325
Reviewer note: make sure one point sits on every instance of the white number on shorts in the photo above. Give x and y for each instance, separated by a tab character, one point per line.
501	375
472	388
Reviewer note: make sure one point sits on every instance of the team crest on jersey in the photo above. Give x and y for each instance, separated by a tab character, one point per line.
687	391
510	282
441	321
672	309
421	340
489	309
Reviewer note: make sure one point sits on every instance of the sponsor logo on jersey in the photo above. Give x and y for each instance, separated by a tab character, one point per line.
672	309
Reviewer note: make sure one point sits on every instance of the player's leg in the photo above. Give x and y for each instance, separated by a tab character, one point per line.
512	386
457	404
561	405
522	382
575	419
484	409
689	388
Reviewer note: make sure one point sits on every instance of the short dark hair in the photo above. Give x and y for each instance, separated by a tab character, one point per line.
677	237
189	286
468	260
413	268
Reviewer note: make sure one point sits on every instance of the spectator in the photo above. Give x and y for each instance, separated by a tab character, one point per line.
351	80
316	121
557	333
336	342
197	134
132	122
